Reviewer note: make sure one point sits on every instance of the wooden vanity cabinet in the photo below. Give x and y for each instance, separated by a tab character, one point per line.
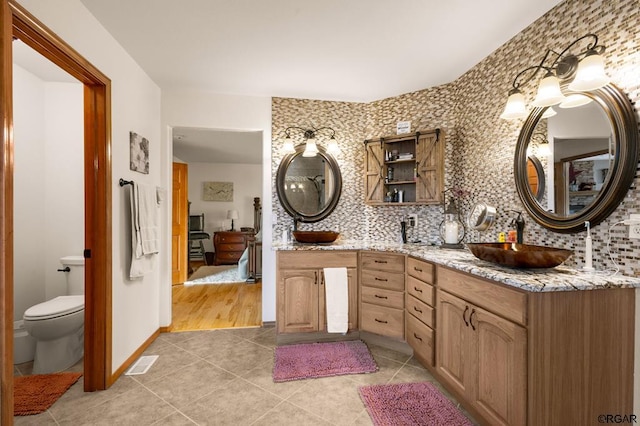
382	294
300	292
420	312
515	357
417	168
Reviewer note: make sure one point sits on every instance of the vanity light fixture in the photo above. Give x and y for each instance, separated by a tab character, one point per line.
584	70
311	148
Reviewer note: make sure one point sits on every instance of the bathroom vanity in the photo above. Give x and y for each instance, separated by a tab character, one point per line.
517	347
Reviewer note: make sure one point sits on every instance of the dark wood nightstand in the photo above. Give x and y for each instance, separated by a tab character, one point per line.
229	245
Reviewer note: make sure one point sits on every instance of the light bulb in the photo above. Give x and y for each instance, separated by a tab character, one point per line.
311	149
590	74
548	92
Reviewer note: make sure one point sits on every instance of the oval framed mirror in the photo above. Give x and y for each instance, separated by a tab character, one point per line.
592	160
536	177
309	187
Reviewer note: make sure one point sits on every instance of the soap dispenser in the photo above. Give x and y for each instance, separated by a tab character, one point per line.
588	254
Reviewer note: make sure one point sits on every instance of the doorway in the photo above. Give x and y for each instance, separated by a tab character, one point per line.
17	23
232	160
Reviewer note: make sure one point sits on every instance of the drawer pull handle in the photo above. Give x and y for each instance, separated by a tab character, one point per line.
415	268
464	317
380	297
417	289
473	311
417	337
381	279
381	321
380	261
415	308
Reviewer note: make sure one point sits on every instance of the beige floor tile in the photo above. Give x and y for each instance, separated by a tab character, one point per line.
378	351
175	419
137	407
170	359
409	374
363	419
263	376
387	368
286	414
335	399
203	343
76	400
240	357
237	403
42	419
190	383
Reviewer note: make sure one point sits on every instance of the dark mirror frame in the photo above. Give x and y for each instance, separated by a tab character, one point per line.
334	197
624	125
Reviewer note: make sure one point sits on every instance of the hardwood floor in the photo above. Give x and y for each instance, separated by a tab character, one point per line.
206	307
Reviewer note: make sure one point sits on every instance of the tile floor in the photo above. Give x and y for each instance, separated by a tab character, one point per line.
223	377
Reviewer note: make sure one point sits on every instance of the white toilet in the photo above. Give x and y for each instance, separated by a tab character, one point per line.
58	324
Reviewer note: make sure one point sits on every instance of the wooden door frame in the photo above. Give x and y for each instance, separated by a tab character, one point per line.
18	23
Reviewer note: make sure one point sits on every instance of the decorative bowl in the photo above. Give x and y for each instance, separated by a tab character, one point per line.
315	236
519	255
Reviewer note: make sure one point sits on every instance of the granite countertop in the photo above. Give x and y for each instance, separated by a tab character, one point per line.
560	278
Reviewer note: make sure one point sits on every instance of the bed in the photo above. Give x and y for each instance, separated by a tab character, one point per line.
250	263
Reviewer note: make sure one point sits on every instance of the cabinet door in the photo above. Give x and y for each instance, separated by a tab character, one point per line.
453	344
298	301
374	173
499	358
430	164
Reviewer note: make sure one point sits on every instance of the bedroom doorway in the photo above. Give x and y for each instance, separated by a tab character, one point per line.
223	288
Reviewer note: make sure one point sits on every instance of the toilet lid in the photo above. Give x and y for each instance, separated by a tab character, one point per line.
61	305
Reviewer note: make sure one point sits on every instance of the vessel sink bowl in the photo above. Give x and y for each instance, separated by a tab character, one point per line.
315	237
519	255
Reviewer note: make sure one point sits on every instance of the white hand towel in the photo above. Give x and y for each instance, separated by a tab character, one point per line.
144	229
337	299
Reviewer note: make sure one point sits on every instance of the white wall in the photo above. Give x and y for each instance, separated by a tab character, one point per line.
28	226
135	106
49	187
247	184
212	111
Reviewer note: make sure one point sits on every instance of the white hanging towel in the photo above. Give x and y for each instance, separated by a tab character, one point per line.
144	229
337	299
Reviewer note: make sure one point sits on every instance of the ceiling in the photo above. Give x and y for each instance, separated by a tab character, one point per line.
356	51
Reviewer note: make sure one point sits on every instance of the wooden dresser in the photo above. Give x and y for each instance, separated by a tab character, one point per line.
229	245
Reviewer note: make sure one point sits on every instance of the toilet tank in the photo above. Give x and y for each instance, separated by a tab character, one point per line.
75	276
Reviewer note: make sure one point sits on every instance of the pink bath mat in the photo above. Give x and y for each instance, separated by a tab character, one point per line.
405	404
313	360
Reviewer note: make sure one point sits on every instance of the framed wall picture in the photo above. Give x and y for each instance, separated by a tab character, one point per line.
217	191
138	153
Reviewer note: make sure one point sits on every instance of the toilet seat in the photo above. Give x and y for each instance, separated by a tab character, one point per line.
57	307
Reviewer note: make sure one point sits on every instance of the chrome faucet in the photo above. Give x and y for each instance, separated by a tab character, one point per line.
518	222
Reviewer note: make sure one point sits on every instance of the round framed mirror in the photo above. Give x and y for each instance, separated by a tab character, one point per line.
309	187
590	160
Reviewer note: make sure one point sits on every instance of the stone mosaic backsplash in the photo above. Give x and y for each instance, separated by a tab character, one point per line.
479	145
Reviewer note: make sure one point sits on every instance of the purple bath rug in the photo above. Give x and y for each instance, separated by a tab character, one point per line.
313	360
405	404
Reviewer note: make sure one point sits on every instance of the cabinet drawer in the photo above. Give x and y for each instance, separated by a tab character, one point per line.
382	297
510	304
230	238
420	338
382	262
231	247
382	320
316	259
383	279
420	269
228	255
420	290
420	310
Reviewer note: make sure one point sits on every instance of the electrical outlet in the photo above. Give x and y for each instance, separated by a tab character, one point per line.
634	230
413	220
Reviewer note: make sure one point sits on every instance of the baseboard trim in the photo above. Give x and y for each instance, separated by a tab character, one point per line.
166	329
133	357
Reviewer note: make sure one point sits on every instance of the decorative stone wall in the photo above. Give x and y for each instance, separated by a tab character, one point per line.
479	145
